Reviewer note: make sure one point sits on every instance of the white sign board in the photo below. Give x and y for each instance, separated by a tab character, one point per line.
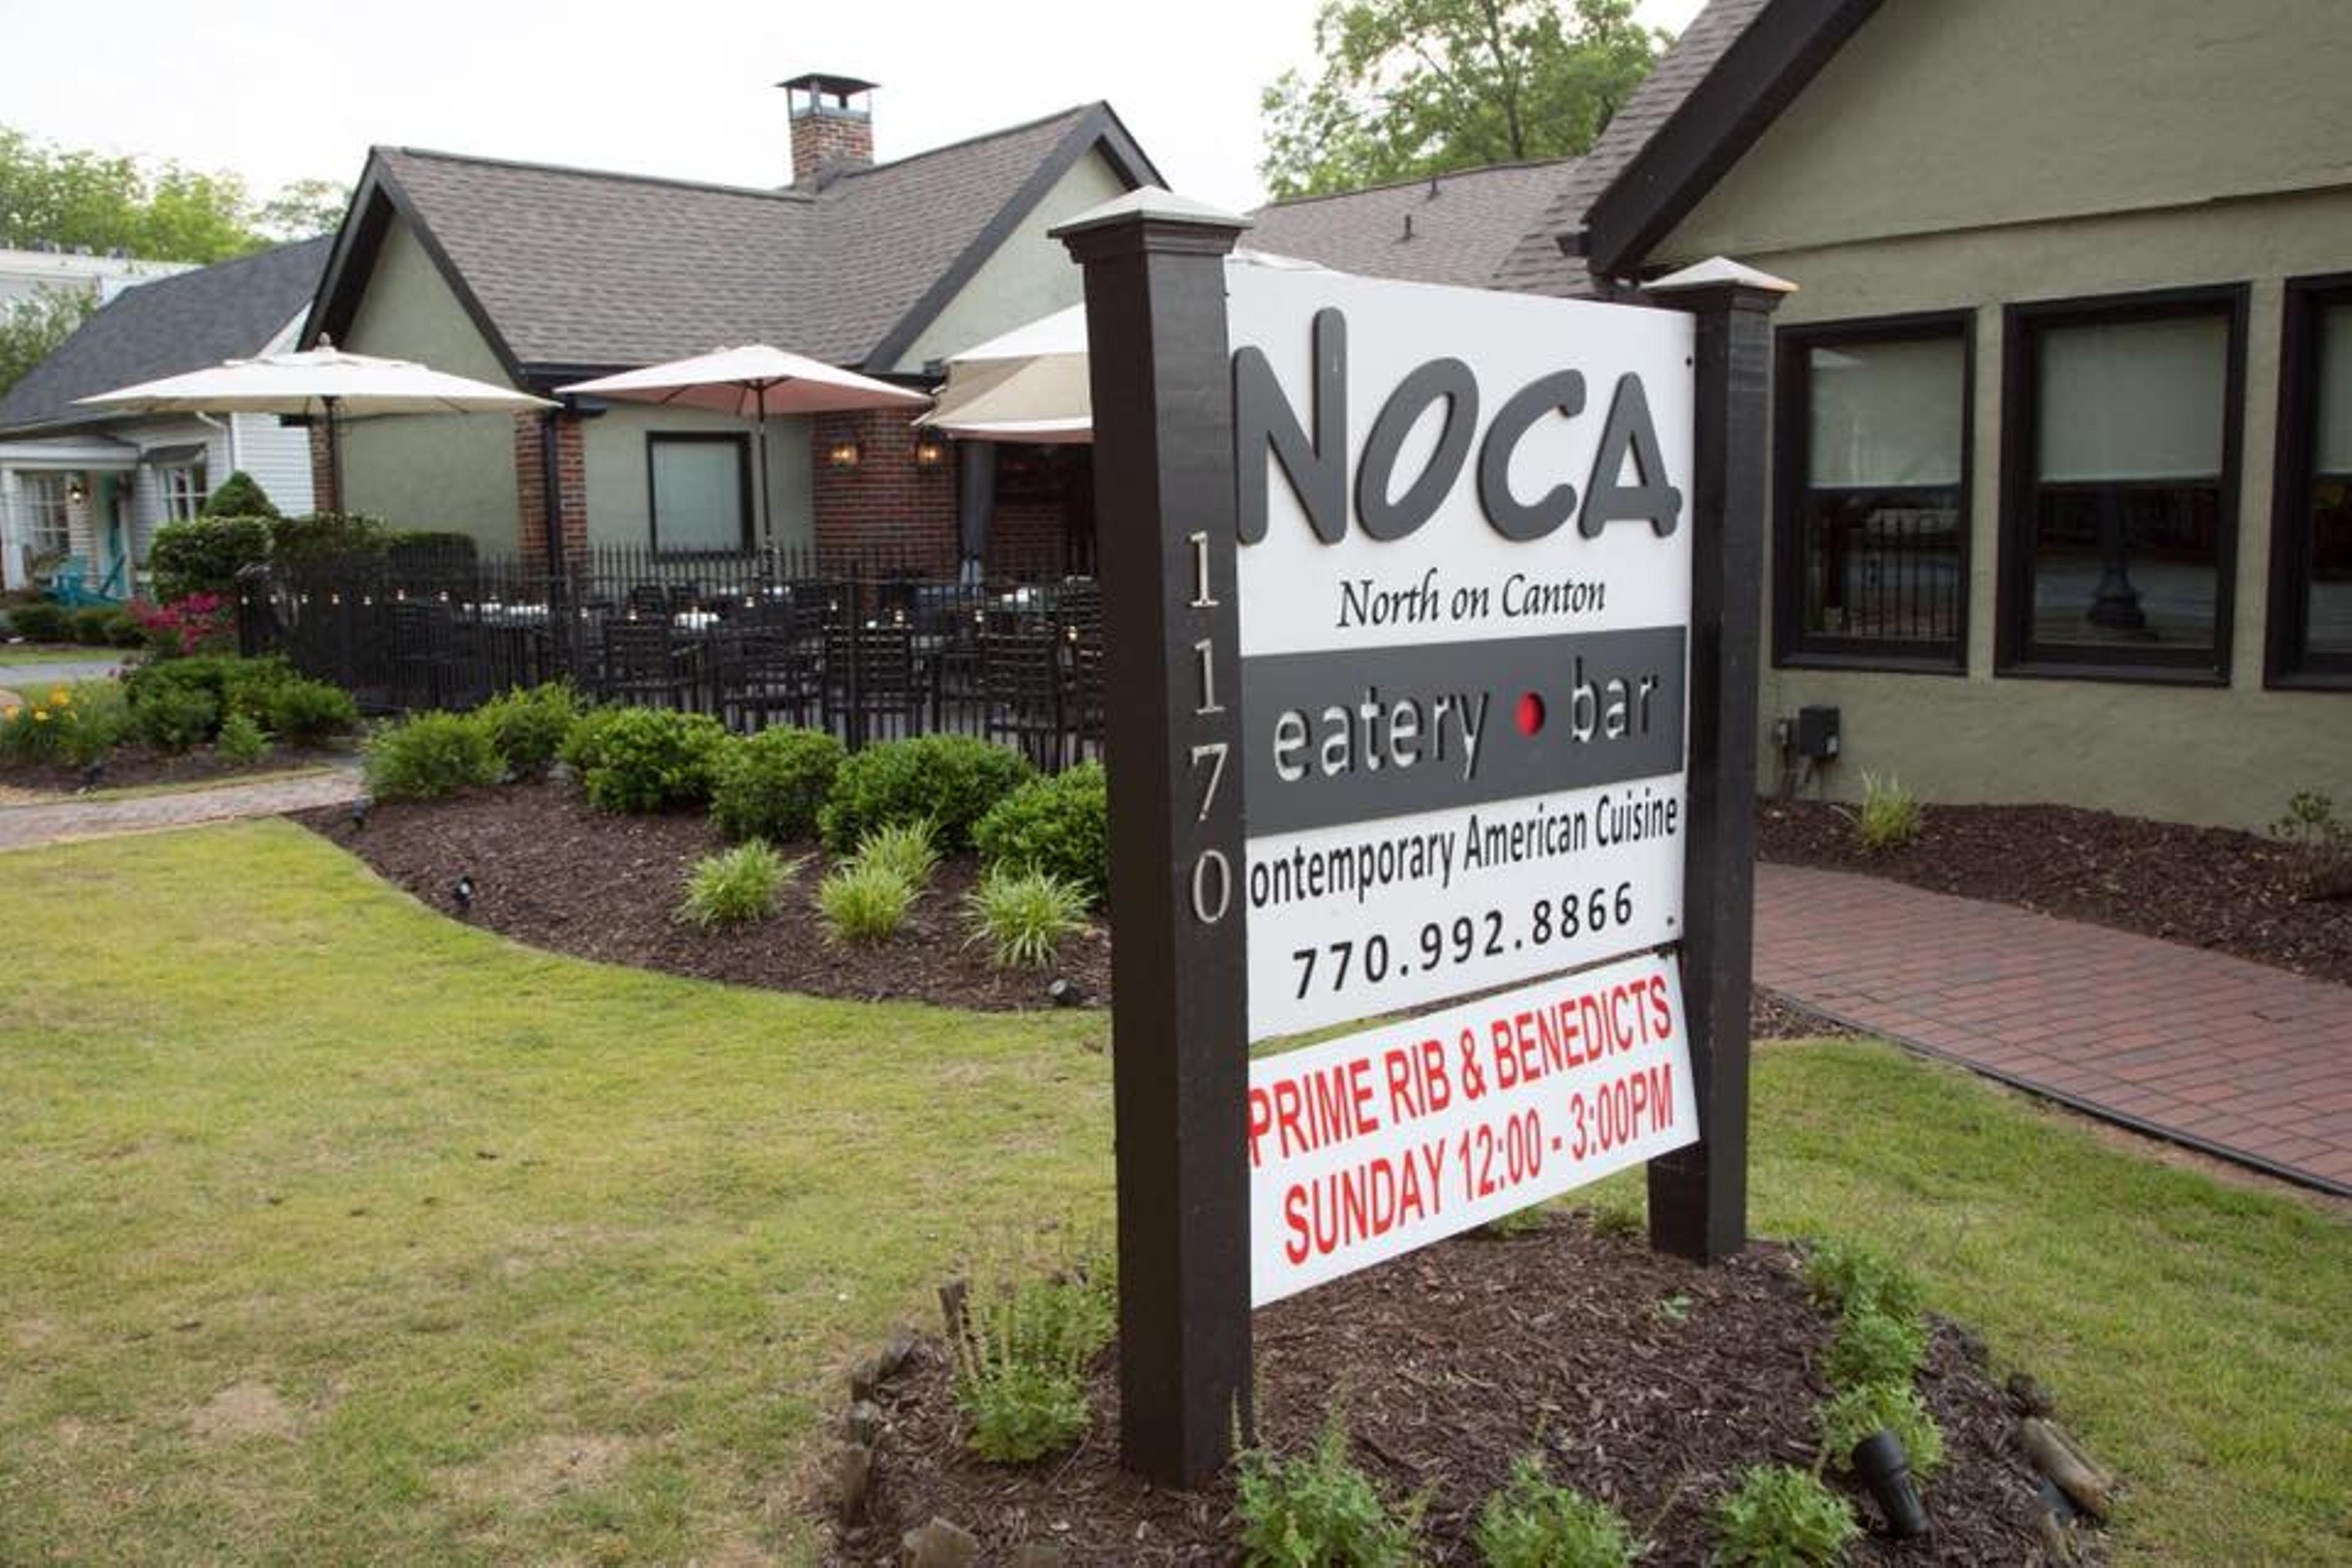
1368	1146
1464	594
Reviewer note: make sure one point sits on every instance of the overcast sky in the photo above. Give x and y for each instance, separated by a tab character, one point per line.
275	90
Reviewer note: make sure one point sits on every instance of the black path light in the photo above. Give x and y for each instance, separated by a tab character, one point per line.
360	807
461	893
1882	1467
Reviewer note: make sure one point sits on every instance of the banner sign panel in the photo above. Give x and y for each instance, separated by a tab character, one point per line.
1464	599
1367	1146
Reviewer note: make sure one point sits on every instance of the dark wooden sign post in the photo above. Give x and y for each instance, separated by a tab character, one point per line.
1164	487
1157	326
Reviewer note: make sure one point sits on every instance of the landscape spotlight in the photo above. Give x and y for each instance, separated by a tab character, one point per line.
461	892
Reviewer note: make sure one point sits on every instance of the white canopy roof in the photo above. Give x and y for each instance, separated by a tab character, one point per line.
321	380
752	381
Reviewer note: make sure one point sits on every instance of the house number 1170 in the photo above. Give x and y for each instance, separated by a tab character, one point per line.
1213	874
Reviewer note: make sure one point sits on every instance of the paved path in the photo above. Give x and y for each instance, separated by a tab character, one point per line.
2238	1059
22	826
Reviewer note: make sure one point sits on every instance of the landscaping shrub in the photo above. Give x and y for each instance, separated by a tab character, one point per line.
323	535
2321	843
1021	1356
1318	1511
1532	1523
1890	813
41	621
428	755
648	759
235	685
105	626
192	624
527	725
583	744
1871	1346
1024	915
858	902
1782	1517
240	495
1848	1415
1059	824
204	555
952	780
308	712
176	718
242	742
773	784
1847	1276
737	886
905	849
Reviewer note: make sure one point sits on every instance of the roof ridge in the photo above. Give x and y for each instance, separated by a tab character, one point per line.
1513	166
844	177
773	193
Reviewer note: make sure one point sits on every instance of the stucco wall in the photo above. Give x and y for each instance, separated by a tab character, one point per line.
1029	275
449	472
614	450
1920	173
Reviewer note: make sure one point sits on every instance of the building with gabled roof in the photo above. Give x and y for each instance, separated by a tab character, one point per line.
537	277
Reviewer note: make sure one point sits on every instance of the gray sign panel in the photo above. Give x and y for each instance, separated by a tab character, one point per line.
1332	738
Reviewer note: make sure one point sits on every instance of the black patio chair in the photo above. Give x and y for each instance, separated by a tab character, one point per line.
1021	692
647	662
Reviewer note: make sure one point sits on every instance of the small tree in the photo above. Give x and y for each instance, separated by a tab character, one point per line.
240	495
31	329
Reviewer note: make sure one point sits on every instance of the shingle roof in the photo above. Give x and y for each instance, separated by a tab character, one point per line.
1462	226
1536	263
579	267
179	323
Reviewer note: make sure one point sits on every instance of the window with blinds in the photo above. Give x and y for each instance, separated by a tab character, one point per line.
2310	610
1872	527
701	492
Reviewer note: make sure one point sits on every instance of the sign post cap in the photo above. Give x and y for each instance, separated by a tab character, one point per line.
1151	204
1714	273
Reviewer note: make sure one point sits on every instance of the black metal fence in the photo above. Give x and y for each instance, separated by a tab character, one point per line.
870	645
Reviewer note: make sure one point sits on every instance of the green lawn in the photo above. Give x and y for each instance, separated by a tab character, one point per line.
57	653
335	1231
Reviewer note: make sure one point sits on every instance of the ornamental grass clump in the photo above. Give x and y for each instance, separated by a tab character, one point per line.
428	755
1782	1517
1890	813
907	850
858	902
1023	916
735	887
1533	1524
1318	1511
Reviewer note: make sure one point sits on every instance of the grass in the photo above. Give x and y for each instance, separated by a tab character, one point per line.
59	653
338	1231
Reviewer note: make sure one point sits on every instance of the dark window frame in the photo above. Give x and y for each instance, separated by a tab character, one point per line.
743	445
1792	460
2015	653
2287	659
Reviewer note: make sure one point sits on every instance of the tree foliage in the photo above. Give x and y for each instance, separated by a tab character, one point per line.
31	327
1416	87
163	212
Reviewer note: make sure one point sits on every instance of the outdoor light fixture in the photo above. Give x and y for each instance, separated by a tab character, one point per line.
461	893
1067	993
844	453
360	812
1885	1469
74	491
929	450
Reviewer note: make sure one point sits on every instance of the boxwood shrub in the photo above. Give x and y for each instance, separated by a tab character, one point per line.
427	755
773	784
204	555
1060	826
165	708
528	725
950	780
650	759
41	621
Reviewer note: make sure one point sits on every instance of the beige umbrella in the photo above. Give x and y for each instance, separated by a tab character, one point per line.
325	383
1029	385
753	380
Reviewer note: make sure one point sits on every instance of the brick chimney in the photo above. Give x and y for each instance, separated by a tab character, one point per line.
833	126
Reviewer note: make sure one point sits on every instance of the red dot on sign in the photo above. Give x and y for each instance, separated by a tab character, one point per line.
1531	713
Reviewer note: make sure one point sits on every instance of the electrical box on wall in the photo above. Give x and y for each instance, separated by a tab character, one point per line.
1817	733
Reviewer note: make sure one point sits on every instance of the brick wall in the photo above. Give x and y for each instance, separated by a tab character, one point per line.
887	501
531	488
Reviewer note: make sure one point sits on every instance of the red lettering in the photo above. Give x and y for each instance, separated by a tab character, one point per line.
1294	1203
1659	1007
1506	1071
1403	1101
1261	1119
1434	1083
1285	1114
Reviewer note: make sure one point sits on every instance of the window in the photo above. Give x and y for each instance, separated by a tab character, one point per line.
2311	534
701	492
48	532
2120	440
183	488
1871	550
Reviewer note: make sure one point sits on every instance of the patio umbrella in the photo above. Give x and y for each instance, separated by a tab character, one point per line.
753	380
325	383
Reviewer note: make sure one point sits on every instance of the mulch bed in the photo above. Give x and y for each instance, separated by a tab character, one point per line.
1645	1381
138	764
2208	887
552	872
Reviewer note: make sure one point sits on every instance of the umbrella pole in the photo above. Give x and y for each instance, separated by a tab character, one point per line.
767	518
335	458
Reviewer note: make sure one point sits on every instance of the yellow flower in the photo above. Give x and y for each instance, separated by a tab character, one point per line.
10	712
60	698
40	715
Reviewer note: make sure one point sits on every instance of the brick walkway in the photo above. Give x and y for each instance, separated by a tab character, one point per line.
22	826
2237	1059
